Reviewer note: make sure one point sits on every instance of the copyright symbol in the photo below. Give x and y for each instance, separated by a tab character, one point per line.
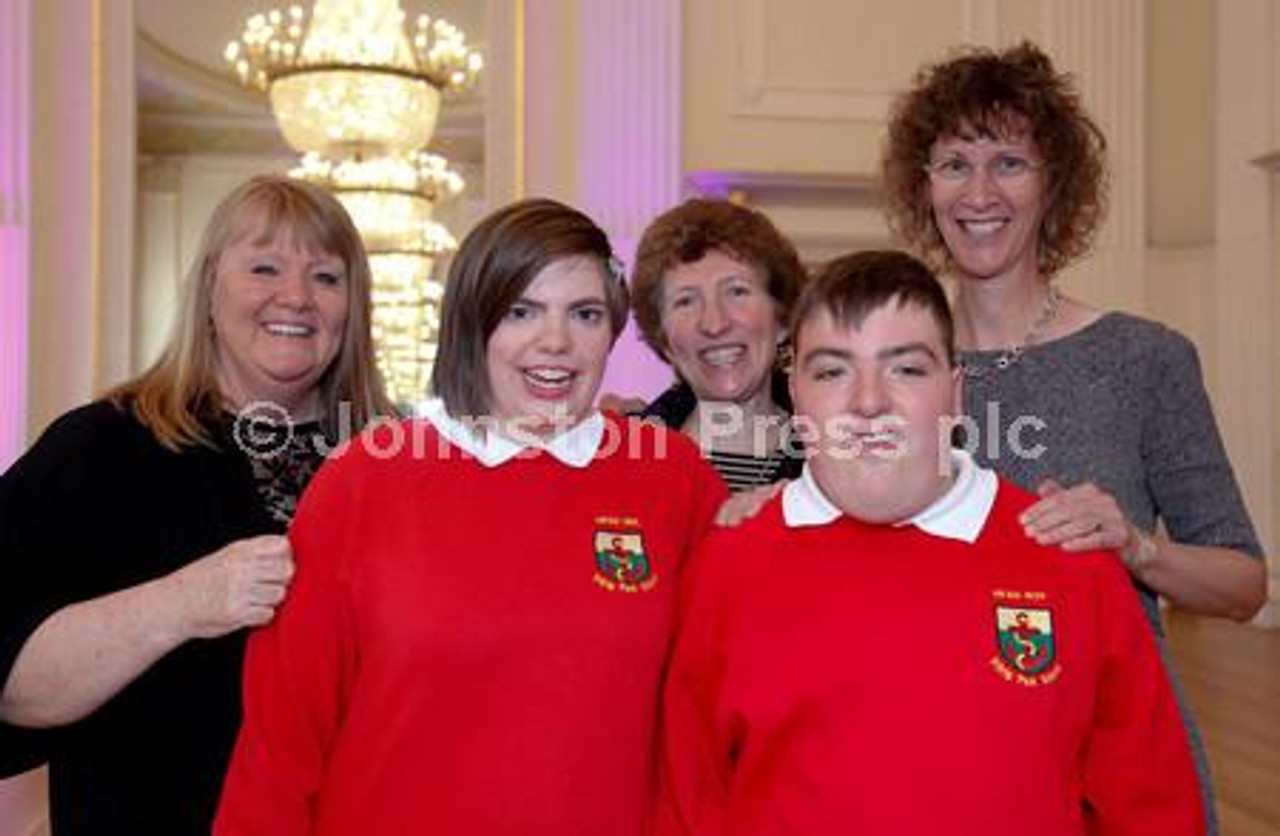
262	429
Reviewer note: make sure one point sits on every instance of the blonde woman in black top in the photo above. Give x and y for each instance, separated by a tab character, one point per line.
142	534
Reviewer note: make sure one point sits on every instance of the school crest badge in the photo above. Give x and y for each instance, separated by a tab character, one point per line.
1026	638
622	564
1027	651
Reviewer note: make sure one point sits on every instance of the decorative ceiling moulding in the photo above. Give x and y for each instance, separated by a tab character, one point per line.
167	70
760	95
192	133
184	108
186	131
790	187
159	173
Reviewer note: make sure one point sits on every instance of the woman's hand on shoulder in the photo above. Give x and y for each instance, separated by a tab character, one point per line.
239	585
740	507
1079	518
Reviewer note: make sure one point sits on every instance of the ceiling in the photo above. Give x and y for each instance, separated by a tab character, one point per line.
189	102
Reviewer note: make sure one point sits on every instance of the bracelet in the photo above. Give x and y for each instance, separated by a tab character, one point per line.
1140	553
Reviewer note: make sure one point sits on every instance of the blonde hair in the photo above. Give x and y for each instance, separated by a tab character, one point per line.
178	397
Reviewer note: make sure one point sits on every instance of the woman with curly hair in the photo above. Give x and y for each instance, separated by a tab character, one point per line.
995	173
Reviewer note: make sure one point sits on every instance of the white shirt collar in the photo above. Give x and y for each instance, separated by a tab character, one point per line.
575	447
959	514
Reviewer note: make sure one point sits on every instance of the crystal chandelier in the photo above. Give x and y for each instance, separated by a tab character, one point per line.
359	99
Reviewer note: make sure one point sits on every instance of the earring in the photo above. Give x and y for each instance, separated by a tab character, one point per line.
784	356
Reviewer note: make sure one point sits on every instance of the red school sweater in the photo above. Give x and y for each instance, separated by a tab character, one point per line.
468	649
851	678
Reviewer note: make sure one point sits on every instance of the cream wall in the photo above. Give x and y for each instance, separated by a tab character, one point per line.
1180	123
802	86
1274	277
1243	280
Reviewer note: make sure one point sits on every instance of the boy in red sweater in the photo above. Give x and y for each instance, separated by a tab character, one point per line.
882	649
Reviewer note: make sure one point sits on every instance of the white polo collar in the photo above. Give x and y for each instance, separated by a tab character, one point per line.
576	447
959	514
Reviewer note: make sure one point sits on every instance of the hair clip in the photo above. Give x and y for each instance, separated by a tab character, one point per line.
617	269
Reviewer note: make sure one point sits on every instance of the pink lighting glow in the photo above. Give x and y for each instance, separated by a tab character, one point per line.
629	145
15	120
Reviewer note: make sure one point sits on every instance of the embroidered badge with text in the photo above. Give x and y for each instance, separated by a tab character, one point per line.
1026	647
622	565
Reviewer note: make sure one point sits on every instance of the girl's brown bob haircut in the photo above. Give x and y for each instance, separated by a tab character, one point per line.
497	261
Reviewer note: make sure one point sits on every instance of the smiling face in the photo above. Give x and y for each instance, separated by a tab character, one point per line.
721	327
545	359
278	314
989	199
874	402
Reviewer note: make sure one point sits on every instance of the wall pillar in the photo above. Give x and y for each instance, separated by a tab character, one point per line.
1102	43
15	222
601	107
23	802
83	144
67	178
1244	271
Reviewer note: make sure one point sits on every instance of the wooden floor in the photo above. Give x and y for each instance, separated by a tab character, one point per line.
1231	673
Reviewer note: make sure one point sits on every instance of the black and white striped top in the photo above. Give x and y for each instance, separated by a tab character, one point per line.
742	471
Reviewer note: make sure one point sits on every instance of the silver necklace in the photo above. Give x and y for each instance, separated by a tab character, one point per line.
1011	355
767	467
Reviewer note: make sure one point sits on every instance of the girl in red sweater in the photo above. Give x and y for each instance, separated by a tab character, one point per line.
485	595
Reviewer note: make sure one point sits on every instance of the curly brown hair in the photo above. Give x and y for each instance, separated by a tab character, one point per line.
686	233
998	94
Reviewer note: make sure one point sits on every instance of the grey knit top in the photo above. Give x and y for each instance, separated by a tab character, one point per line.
1120	403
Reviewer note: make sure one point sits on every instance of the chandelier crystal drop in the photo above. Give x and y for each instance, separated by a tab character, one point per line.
406	317
391	198
419	171
359	96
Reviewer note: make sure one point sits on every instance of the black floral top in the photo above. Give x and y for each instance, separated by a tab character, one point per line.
283	458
